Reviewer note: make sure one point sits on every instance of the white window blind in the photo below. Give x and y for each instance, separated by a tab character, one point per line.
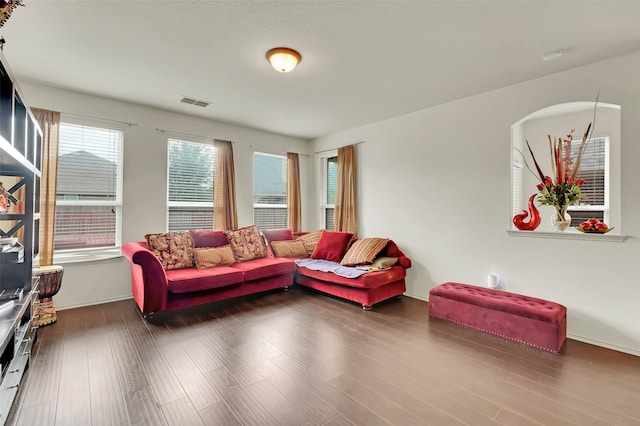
190	185
516	183
594	170
331	176
269	191
89	188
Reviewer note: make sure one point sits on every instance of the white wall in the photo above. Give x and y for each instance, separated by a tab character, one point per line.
437	181
145	184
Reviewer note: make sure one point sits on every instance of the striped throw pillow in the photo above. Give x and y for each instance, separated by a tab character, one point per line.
364	251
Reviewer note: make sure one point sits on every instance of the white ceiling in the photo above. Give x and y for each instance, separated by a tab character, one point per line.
362	61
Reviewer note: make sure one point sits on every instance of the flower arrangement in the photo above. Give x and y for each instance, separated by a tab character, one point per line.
563	189
6	8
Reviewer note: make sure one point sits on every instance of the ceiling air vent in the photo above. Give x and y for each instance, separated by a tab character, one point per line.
196	102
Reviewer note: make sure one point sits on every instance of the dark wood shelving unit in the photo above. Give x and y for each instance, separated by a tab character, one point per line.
20	160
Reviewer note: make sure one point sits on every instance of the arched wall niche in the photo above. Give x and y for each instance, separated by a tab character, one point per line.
557	121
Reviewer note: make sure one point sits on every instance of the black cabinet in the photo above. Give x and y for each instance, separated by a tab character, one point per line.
20	159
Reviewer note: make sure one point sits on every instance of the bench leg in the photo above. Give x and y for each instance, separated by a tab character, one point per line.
366	307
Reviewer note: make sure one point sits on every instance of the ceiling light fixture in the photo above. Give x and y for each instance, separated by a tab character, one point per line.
283	59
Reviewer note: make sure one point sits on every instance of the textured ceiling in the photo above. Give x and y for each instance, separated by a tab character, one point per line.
362	61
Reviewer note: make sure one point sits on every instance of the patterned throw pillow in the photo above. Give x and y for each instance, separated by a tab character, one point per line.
289	248
363	251
310	240
174	249
246	243
213	256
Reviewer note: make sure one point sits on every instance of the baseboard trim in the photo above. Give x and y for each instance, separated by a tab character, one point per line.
93	302
413	296
603	344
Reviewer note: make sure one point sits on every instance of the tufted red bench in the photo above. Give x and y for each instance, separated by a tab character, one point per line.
525	319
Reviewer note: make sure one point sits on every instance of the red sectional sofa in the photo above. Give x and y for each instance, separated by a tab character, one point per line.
156	289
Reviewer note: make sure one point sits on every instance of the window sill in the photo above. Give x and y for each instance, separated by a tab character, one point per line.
568	235
77	256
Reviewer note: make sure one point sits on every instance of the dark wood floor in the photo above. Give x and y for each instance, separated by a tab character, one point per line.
301	358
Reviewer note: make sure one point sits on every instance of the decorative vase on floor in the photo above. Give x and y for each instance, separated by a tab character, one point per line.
560	224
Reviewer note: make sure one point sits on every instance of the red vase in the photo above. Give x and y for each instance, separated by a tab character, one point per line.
534	220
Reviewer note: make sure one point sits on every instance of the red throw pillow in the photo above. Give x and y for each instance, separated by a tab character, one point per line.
332	245
208	238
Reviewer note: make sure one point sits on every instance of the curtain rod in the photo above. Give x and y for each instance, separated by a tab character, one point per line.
275	151
333	149
99	119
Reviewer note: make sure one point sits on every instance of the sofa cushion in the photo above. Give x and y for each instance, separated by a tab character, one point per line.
246	243
332	246
363	251
189	280
310	240
384	262
265	267
208	257
368	280
271	235
208	238
174	249
289	249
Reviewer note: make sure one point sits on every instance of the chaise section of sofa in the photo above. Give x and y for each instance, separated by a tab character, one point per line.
367	289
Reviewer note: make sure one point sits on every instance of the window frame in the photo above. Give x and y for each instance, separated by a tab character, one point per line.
192	204
255	205
605	207
324	172
73	255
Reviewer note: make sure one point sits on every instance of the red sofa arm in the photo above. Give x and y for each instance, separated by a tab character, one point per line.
148	279
392	250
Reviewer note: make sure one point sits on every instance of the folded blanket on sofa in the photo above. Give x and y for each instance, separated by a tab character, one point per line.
328	266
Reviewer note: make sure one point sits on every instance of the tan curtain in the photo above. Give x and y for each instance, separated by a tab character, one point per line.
345	212
49	122
294	208
225	215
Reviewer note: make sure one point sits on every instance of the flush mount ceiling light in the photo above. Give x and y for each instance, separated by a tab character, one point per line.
283	59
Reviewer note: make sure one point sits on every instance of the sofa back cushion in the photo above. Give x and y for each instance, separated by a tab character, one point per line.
364	251
208	238
213	256
174	249
271	235
332	245
246	243
289	249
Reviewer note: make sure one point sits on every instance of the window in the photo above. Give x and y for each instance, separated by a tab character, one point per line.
329	179
600	165
269	191
594	170
516	183
190	185
89	192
